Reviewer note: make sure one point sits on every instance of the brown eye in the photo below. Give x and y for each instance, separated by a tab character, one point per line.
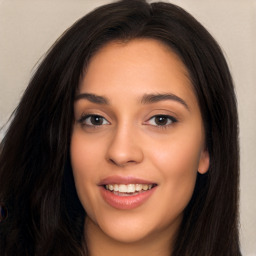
93	120
96	120
162	120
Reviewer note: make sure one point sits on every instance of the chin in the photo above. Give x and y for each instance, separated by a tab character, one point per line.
127	235
133	227
125	227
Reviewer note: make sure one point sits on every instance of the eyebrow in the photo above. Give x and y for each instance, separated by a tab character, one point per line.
153	98
92	98
146	99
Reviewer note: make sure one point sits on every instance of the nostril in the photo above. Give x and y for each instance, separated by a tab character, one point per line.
121	163
123	151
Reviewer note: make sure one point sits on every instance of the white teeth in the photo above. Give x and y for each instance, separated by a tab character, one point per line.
123	188
130	188
138	187
145	187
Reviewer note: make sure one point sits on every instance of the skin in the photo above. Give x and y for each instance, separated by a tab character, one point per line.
130	142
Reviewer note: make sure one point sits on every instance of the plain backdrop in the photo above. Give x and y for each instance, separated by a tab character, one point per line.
29	27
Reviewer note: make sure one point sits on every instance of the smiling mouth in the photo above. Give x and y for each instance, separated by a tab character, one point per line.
129	189
126	193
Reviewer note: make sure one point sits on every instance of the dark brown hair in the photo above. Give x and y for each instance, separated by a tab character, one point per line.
45	216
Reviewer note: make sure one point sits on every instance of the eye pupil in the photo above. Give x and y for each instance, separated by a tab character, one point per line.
96	120
161	120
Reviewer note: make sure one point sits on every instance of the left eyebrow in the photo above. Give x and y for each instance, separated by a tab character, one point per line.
153	98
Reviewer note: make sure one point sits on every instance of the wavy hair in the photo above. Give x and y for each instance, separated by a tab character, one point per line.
45	216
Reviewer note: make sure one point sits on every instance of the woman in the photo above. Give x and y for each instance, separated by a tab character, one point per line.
126	137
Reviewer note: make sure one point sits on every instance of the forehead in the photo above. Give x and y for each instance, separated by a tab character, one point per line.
136	66
146	50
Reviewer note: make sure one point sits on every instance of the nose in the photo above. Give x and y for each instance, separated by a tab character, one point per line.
125	147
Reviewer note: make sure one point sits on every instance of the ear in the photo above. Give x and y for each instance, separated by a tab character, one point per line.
204	162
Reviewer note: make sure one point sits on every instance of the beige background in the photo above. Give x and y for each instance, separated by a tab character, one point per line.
29	27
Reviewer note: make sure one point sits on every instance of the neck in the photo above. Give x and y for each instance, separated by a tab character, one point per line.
100	244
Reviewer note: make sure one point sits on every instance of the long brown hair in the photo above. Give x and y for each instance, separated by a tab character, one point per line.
45	216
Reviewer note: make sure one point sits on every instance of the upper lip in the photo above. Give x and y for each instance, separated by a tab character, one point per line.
123	180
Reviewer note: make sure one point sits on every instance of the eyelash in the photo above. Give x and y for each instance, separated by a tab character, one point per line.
83	118
170	121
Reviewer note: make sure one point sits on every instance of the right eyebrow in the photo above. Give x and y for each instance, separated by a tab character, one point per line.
92	98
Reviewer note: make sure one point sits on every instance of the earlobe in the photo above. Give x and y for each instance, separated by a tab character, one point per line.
204	162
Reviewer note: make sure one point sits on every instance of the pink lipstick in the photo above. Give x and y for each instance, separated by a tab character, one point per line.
126	192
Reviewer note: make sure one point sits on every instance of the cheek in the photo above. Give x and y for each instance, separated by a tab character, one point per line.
85	154
84	160
177	161
178	156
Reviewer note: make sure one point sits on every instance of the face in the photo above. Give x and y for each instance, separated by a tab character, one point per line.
137	142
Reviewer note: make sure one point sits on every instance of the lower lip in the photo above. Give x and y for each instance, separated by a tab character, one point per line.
126	202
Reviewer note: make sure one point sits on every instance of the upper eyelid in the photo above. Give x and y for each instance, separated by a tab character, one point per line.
92	111
165	115
172	119
86	115
83	116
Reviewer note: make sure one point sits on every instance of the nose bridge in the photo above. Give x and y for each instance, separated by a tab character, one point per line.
124	146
